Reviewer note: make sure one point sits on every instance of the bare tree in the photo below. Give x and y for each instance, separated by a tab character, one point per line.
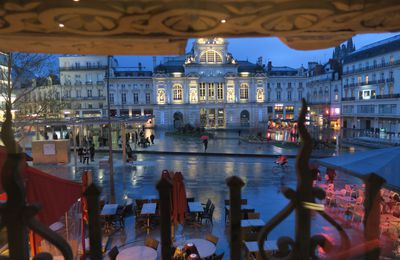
22	68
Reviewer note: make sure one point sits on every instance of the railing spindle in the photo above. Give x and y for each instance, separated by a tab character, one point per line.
164	188
92	194
373	185
235	198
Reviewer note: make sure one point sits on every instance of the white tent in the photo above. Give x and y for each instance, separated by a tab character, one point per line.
383	162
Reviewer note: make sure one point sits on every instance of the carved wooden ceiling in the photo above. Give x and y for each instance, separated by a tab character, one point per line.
163	26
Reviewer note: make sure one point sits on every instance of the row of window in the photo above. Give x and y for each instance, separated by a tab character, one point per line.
370	109
215	91
135	98
364	94
367	65
368	79
289	85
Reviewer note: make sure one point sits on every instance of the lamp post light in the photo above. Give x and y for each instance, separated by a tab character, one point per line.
110	152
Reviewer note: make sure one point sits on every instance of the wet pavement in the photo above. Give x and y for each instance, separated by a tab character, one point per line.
205	177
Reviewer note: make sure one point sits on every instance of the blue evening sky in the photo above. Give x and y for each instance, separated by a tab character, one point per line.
268	48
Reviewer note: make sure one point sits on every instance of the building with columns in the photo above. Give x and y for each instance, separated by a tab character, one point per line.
210	88
371	90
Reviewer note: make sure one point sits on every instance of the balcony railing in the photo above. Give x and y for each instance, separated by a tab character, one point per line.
390	80
348	98
96	67
387	96
94	98
372	67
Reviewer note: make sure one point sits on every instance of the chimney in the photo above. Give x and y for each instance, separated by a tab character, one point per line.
140	66
154	62
269	67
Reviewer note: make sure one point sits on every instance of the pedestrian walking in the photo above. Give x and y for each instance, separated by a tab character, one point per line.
205	143
92	151
80	153
85	154
152	138
239	132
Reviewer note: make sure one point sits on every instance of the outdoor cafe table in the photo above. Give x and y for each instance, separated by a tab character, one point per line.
195	207
252	223
137	252
269	245
204	247
246	207
147	210
108	211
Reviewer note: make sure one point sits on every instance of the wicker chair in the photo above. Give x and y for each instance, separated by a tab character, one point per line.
213	239
208	216
151	242
112	255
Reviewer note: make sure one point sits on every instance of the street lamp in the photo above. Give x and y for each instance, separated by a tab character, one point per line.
110	152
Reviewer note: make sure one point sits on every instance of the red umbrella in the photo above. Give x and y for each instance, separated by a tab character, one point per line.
204	137
179	202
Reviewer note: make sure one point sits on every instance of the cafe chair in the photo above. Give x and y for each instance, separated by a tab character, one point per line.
208	216
151	242
207	205
112	255
119	217
248	235
253	215
140	220
213	239
218	257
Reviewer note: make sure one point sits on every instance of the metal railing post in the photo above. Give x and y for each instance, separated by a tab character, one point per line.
92	194
373	185
235	185
13	212
164	188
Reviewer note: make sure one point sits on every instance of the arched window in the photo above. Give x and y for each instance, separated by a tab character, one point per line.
244	91
177	93
210	57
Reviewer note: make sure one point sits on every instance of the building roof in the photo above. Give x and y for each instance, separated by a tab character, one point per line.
375	49
282	71
246	66
177	66
131	72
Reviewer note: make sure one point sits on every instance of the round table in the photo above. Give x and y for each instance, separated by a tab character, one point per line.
204	247
137	252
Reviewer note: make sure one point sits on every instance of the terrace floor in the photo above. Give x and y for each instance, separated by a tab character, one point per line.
204	178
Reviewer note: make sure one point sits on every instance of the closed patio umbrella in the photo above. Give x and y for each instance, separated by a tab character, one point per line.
179	202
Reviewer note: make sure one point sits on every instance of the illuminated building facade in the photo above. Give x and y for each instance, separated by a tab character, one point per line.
371	89
210	88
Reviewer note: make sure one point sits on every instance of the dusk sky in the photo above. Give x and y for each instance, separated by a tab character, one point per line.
268	48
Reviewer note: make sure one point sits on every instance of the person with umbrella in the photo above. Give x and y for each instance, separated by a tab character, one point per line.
205	142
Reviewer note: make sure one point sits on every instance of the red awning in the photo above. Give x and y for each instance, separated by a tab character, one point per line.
55	195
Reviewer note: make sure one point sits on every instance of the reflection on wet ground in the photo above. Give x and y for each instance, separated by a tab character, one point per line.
205	177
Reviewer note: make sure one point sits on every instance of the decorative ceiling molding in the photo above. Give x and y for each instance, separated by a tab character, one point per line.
162	26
